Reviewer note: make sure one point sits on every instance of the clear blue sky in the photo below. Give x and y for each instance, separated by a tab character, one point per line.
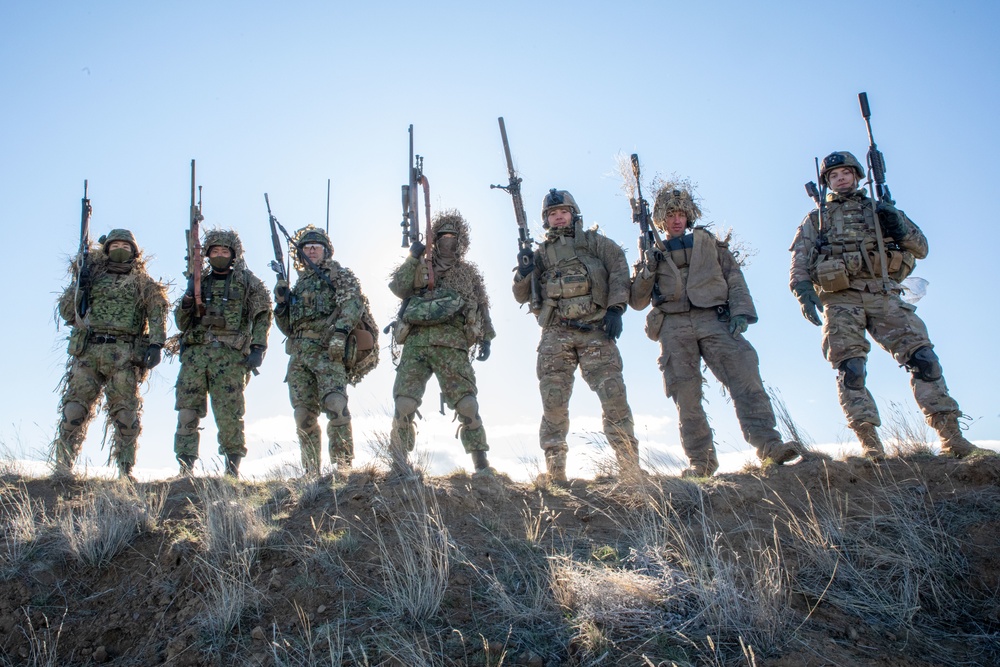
277	98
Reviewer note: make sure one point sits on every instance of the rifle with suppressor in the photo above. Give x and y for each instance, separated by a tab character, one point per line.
524	240
411	210
82	297
649	237
876	184
192	239
278	263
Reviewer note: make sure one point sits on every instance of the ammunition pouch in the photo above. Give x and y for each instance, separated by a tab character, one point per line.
139	346
78	338
436	307
654	322
577	307
400	330
832	275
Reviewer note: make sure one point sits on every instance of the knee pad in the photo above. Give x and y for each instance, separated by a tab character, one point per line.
406	407
468	412
852	373
75	414
924	365
335	405
187	422
127	423
305	419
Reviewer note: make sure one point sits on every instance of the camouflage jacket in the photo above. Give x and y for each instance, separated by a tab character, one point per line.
470	325
128	304
315	309
849	234
238	319
702	273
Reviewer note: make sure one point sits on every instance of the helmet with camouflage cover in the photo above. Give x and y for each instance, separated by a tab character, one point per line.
119	235
839	159
311	234
226	238
451	222
559	199
670	198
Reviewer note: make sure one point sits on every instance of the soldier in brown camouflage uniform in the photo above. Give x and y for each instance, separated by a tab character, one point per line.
437	329
113	345
219	349
839	269
320	316
582	279
701	309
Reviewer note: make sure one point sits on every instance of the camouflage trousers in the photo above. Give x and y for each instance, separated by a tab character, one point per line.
687	339
313	378
895	326
456	378
109	367
560	351
220	372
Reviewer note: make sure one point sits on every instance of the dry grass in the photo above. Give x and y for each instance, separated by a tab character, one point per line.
905	433
42	643
20	528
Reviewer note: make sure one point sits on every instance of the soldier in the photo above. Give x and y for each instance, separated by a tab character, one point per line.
839	269
320	315
583	284
112	347
701	309
219	349
438	329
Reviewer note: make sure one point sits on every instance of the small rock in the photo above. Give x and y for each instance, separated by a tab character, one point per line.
852	634
258	633
495	647
100	654
535	660
321	609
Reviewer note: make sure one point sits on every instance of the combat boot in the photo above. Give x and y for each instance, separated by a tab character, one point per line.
233	465
871	445
779	453
953	443
125	471
697	470
186	462
555	467
481	464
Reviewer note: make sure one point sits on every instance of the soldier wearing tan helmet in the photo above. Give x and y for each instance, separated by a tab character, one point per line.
113	346
839	269
583	279
701	309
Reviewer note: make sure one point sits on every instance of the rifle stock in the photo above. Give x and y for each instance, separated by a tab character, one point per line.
82	296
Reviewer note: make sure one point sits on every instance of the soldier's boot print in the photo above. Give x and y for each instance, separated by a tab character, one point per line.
953	443
186	462
555	466
871	444
308	430
233	466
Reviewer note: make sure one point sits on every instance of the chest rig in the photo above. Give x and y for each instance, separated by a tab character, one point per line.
566	281
312	299
848	248
223	304
115	305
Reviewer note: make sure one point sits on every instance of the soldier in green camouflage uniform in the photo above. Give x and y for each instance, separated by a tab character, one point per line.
701	308
319	315
437	329
219	349
583	288
839	269
112	347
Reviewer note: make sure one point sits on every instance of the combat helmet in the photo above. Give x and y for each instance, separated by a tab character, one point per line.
311	234
557	199
839	159
451	221
670	198
119	235
226	238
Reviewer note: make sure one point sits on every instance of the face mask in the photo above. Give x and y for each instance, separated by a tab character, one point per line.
120	255
448	246
219	263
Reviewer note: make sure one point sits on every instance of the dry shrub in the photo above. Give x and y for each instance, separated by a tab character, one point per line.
228	595
20	529
906	433
312	648
43	643
231	523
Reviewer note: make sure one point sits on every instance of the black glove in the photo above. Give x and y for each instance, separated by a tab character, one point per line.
256	357
484	351
806	295
187	302
738	324
525	261
281	292
417	249
152	356
891	221
83	280
613	322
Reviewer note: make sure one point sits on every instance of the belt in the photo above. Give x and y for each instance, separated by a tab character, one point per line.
308	335
100	339
578	325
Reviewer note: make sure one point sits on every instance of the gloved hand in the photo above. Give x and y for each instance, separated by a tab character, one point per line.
256	357
652	257
84	278
806	295
281	292
337	347
152	356
738	324
484	351
891	221
417	249
613	322
525	261
187	303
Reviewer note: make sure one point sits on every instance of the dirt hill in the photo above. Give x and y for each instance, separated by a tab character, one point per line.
820	563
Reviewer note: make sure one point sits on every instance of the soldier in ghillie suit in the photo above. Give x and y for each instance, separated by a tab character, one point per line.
438	328
219	349
112	347
583	290
839	269
332	342
701	309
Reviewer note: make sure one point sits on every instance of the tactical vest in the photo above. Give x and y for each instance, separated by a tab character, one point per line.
575	282
312	300
690	274
115	305
223	320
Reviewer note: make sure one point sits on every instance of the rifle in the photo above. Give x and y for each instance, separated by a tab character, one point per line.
876	173
819	197
524	240
278	263
192	238
648	235
82	299
411	211
327	207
